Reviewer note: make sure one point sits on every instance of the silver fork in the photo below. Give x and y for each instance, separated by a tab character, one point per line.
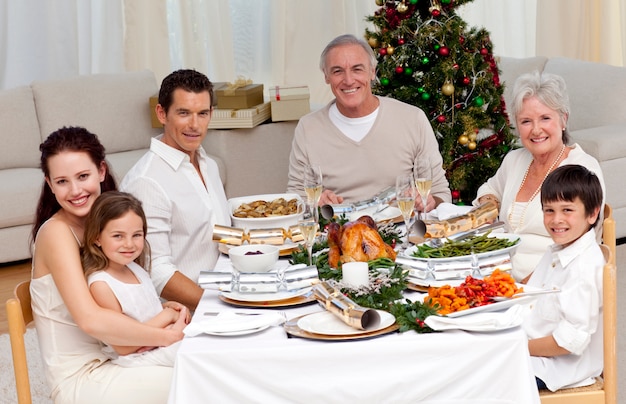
284	316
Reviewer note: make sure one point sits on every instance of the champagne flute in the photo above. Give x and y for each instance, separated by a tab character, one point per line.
405	198
308	226
422	171
313	186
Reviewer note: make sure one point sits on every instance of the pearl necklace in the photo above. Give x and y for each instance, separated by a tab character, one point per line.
521	220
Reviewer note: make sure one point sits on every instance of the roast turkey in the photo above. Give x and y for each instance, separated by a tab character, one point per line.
356	241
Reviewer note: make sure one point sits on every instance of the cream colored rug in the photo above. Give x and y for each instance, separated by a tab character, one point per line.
38	387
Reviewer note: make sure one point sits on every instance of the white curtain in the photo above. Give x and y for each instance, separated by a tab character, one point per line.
52	39
511	24
593	30
274	42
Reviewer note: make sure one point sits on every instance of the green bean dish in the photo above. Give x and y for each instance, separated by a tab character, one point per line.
464	247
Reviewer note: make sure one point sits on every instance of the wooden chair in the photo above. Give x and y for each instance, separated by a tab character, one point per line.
20	314
604	390
608	231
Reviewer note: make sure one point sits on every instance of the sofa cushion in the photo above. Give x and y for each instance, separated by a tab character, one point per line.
595	90
120	163
20	193
604	143
20	129
512	68
262	170
116	107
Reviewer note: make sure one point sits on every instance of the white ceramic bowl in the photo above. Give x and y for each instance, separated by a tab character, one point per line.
254	262
271	222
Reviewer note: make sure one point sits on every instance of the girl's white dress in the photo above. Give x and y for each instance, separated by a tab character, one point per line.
141	302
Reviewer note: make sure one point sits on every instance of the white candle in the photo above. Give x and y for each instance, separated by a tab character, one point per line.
355	274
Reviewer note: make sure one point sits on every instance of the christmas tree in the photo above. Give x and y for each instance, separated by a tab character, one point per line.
428	57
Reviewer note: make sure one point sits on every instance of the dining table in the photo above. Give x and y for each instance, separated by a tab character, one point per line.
272	366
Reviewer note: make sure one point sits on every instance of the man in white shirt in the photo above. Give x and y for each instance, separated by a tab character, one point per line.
180	189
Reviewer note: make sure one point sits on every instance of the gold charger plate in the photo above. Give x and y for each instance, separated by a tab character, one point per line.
290	302
285	249
417	288
292	328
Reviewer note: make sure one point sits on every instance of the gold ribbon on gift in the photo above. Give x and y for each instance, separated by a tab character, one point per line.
239	83
485	213
328	294
237	236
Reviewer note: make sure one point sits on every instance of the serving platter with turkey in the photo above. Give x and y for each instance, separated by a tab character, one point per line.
358	240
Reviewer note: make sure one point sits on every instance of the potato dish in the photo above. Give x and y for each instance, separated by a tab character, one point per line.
261	208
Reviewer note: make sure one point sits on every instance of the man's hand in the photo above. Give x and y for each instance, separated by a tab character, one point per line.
329	198
431	203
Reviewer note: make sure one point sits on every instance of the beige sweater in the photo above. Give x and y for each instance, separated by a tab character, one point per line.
359	170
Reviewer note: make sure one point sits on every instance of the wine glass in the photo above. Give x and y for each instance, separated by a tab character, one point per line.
422	171
308	226
313	186
405	198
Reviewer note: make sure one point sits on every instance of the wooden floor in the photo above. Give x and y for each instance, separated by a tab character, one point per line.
10	275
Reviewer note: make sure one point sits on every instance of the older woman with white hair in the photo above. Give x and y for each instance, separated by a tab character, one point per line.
540	112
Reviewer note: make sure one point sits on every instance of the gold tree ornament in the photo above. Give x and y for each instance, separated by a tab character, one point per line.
402	7
471	145
373	41
390	50
447	89
463	139
434	6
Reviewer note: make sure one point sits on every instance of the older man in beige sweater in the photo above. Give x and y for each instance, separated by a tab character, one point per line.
362	142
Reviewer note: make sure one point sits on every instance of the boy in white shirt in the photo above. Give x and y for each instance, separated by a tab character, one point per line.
565	329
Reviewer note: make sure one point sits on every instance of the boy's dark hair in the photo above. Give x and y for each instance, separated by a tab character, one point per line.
572	181
185	79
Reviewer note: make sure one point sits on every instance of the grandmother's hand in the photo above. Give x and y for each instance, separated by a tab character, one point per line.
487	198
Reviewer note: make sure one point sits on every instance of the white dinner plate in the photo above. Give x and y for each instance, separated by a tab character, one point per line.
511	237
239	332
497	306
326	323
265	297
389	213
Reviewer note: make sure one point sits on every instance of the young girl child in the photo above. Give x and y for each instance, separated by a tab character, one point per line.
114	256
565	329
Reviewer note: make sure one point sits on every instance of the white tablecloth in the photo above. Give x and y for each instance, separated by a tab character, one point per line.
268	367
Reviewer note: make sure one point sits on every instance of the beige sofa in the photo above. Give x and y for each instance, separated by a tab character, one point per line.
116	108
112	106
251	161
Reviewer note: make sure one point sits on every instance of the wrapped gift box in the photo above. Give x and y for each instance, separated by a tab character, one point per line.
244	97
240	118
228	118
153	103
289	103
